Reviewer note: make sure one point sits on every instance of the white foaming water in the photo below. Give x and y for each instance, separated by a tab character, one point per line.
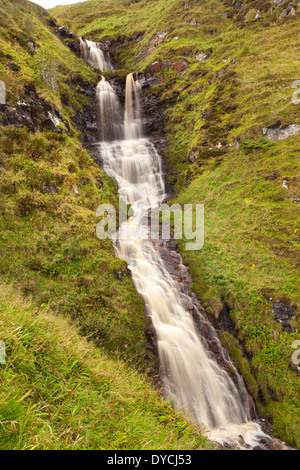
132	123
111	124
192	378
94	56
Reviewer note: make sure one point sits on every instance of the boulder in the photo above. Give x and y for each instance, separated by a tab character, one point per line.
64	32
283	313
278	133
155	67
180	66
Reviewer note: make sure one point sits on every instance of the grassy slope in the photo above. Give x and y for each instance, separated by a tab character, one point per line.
48	241
50	252
23	22
251	250
59	392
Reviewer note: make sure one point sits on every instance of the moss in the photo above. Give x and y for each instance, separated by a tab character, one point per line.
49	243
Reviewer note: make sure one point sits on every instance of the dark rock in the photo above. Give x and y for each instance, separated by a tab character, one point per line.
283	313
33	112
118	275
223	322
48	125
52	22
74	46
49	188
151	337
64	32
13	66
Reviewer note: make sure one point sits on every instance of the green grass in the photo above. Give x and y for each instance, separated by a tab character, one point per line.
216	110
250	255
49	245
59	392
50	65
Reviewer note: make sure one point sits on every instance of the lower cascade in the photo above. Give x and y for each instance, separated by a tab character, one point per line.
192	377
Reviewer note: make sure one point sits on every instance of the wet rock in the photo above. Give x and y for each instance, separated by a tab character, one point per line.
74	46
151	337
86	122
223	321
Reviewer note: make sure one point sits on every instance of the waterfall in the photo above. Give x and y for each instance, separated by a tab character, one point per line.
133	128
192	378
94	56
111	125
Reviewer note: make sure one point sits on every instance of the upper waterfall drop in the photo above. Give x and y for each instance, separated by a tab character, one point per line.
132	121
94	56
111	126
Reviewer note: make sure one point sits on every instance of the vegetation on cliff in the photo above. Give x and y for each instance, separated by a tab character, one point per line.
224	76
59	390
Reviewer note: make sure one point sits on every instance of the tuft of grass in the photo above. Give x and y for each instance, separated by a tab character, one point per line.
59	392
49	245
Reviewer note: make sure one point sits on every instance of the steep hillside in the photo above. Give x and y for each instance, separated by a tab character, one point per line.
58	392
224	94
50	189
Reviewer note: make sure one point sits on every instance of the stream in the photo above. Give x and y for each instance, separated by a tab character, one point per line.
213	396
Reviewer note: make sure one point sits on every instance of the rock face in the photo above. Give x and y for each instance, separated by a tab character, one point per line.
36	114
32	112
86	119
277	133
64	32
69	39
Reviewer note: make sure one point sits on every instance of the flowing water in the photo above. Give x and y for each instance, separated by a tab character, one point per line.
192	377
94	56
